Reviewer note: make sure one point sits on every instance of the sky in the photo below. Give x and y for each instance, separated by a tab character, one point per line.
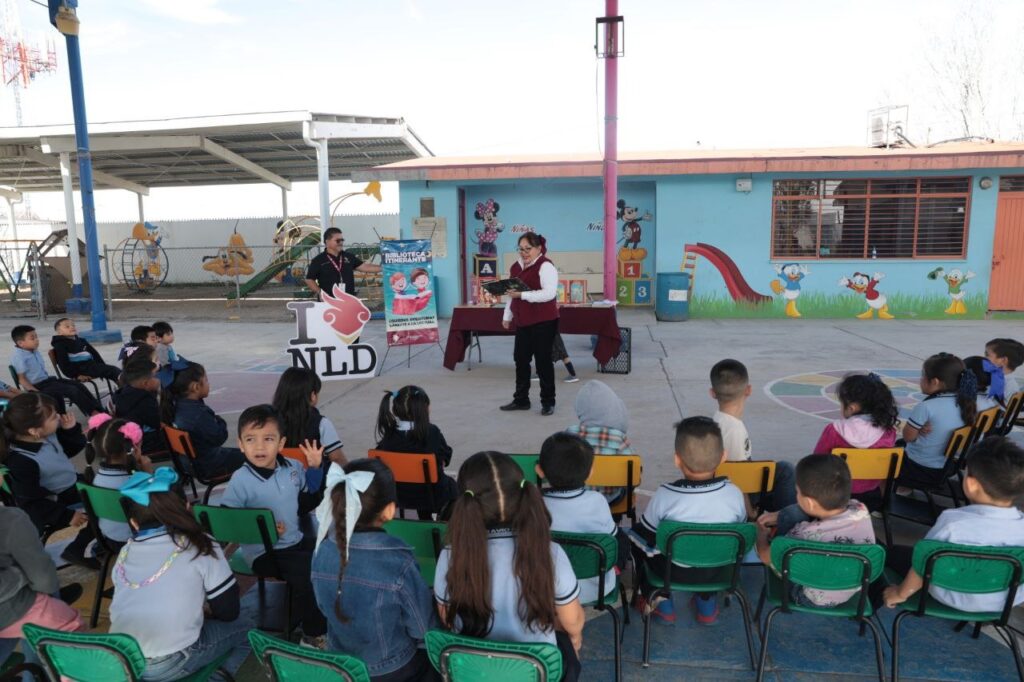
516	76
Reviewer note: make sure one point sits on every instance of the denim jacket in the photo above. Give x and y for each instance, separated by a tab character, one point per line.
389	606
207	430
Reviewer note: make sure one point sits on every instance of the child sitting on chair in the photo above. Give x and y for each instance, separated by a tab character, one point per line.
165	354
565	463
698	497
603	422
1007	355
823	512
137	401
76	357
993	484
33	376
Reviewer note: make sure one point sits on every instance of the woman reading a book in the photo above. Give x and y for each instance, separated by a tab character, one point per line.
535	313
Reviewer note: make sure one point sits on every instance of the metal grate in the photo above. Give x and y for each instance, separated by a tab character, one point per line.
1011	183
870	218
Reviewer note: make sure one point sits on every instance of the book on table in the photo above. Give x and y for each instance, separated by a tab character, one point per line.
503	286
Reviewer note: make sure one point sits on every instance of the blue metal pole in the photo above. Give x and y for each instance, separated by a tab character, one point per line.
99	316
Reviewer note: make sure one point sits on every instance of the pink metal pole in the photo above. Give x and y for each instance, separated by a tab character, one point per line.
611	147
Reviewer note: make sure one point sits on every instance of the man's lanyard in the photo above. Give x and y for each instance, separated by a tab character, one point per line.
337	265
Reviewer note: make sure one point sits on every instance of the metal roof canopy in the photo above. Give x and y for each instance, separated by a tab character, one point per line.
269	147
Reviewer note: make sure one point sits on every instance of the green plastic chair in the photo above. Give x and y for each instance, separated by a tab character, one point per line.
287	662
88	657
467	659
245	527
703	545
6	494
528	464
592	555
426	540
963	568
822	566
102	503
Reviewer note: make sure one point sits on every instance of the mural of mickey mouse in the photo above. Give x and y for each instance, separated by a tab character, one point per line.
630	217
487	211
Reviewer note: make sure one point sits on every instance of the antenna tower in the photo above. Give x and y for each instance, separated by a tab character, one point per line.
21	62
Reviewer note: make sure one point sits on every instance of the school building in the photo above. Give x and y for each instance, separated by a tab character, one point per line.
878	233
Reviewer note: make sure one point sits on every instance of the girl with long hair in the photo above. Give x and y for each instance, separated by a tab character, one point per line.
526	590
116	443
295	399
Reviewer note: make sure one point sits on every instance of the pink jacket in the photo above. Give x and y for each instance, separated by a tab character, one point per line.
855	432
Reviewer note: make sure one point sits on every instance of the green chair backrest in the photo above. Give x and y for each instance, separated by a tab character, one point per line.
426	539
5	485
468	659
827	565
86	657
287	662
968	568
242	526
706	545
14	375
591	554
528	464
105	503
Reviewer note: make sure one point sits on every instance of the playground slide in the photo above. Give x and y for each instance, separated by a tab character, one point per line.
281	263
737	285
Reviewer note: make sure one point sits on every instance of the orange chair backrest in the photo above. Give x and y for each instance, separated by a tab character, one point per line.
749	476
408	467
179	441
296	454
870	464
959	441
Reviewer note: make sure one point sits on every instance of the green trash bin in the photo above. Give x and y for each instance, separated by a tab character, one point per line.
673	301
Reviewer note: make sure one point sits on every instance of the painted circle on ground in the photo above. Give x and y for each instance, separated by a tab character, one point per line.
814	393
235	391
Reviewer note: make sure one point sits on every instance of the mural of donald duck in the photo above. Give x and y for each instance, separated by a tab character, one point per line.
863	284
788	284
955	279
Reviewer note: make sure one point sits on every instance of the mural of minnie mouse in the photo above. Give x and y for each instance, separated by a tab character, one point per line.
487	211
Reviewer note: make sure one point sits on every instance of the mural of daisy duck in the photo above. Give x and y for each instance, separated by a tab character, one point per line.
955	279
788	284
868	286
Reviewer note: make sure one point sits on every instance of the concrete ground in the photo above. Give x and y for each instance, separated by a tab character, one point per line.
669	380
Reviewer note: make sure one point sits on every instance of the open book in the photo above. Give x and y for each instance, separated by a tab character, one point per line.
503	286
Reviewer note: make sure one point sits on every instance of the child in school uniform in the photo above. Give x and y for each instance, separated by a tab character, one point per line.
824	512
137	400
165	354
403	425
367	582
993	484
167	578
116	444
565	463
500	513
140	334
185	385
990	378
1007	355
32	374
295	399
39	444
76	357
271	481
698	497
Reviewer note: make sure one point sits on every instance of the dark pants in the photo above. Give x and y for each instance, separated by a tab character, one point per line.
656	566
74	391
219	461
783	492
913	475
535	342
77	547
97	370
571	667
292	565
418	669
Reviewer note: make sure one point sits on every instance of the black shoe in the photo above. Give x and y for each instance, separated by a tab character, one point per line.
547	410
73	557
70	593
514	406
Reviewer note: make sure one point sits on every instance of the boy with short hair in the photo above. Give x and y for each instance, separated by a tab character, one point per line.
139	334
823	486
565	463
30	367
1007	354
698	497
994	485
137	401
730	388
165	338
269	480
76	357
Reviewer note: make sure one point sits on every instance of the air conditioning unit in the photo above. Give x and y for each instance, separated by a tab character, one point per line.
885	123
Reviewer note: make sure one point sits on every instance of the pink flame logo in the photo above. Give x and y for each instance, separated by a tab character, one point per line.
346	316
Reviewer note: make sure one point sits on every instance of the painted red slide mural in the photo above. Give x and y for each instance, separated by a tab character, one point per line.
734	281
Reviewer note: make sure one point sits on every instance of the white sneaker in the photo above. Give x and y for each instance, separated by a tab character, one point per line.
535	378
571	379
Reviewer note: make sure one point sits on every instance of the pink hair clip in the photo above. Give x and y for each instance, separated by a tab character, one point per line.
132	432
98	420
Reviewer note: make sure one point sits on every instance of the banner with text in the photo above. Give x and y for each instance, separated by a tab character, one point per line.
410	311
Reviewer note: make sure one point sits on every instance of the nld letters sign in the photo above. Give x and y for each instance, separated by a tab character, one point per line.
327	335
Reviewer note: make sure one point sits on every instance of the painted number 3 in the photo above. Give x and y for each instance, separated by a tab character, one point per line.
641	292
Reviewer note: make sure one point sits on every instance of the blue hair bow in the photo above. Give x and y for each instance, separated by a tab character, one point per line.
141	484
997	384
166	373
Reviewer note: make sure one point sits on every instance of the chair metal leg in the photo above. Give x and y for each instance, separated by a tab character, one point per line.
262	588
887	525
617	631
101	584
896	644
1015	648
745	611
625	608
977	631
760	603
764	642
879	657
646	618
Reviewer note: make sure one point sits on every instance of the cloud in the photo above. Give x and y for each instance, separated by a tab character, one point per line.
193	11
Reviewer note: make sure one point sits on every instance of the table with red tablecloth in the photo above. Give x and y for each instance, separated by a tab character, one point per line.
596	321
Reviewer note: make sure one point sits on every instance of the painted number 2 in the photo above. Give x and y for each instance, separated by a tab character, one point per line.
623	291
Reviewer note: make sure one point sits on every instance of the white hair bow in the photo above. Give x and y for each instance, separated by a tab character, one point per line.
355	482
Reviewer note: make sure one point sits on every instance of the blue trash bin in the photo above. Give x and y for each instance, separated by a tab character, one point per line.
672	303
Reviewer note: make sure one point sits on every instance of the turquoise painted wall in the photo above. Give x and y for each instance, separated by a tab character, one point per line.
446	204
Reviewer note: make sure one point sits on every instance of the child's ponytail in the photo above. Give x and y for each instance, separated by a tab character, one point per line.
533	564
950	371
386	423
175	380
469	574
410	404
967	396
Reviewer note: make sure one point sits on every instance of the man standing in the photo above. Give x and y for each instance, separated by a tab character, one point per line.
335	266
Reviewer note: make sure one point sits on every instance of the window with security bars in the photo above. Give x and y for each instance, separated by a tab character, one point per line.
1011	183
870	218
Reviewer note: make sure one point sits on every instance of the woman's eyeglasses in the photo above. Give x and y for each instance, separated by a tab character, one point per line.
526	249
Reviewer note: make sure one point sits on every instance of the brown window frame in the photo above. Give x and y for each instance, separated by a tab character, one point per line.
867	197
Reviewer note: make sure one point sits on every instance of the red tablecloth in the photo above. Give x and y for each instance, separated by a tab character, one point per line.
467	320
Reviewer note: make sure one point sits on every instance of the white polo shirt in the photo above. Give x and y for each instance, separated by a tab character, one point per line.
735	437
115	480
582	511
507	626
978	524
165	616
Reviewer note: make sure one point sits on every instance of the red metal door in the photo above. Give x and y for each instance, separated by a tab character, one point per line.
1006	291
